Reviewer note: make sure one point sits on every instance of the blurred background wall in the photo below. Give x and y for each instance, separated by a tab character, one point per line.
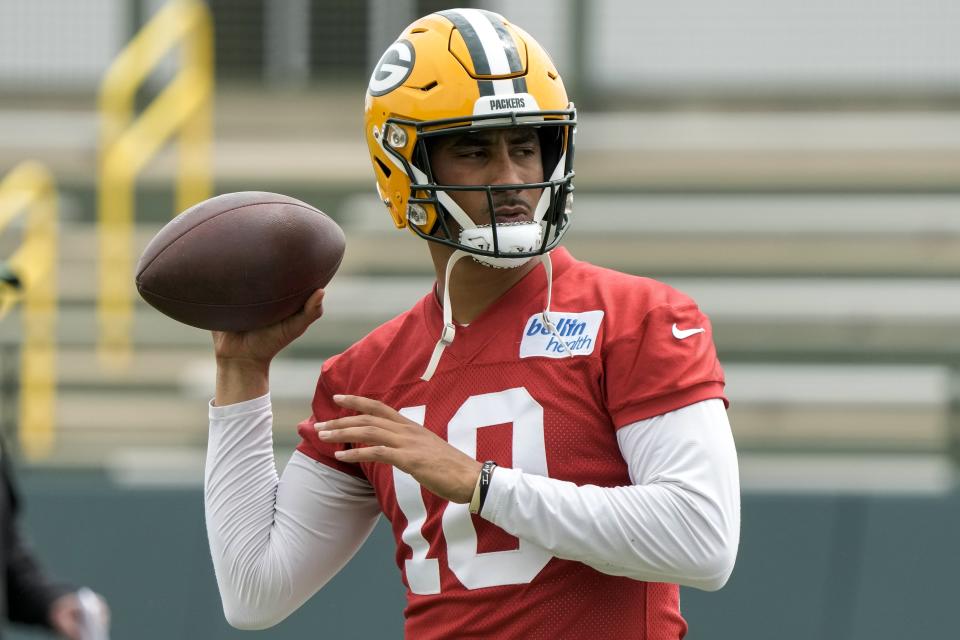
793	166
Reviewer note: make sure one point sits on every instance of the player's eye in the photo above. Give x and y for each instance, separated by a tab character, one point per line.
471	152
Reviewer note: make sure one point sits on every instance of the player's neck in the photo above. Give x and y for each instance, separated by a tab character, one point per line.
473	286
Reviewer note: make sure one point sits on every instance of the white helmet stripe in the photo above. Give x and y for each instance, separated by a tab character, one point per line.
491	47
489	40
503	88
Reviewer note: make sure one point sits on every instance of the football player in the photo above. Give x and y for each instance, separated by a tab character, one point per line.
547	438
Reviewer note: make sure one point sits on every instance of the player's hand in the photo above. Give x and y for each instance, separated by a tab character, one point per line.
389	437
67	615
243	357
261	345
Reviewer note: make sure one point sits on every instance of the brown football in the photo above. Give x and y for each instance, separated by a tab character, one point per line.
240	261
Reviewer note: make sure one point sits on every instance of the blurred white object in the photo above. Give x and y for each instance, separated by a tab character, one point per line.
93	624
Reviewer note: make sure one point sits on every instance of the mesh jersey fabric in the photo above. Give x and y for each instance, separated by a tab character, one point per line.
556	416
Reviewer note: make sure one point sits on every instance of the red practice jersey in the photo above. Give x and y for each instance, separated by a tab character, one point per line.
506	390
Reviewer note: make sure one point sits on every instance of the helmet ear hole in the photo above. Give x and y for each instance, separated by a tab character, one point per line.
383	167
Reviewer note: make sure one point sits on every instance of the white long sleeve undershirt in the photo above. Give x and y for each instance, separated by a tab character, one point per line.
276	541
678	522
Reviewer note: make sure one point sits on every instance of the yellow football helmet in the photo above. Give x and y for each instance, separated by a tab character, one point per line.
460	71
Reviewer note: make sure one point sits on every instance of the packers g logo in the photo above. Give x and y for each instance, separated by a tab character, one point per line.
394	67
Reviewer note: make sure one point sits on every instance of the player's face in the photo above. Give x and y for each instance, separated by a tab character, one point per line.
494	157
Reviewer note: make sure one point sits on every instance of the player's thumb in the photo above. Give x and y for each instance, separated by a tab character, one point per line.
313	307
294	326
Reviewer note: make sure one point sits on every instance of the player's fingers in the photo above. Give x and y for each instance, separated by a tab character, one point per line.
377	453
370	406
357	421
368	435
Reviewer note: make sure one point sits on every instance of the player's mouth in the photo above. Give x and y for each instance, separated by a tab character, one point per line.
512	214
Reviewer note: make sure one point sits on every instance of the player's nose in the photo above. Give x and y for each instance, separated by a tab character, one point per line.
504	167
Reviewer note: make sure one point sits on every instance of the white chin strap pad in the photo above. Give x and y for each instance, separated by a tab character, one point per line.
516	237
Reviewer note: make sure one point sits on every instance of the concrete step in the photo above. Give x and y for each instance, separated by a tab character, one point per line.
94	426
813	428
685	149
774	407
851	317
655	255
762	235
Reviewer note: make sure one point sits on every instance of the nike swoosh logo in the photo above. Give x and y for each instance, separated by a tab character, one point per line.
680	334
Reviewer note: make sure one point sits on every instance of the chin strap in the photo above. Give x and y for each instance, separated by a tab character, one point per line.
545	314
450	330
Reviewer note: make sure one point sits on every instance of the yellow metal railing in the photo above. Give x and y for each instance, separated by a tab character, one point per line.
30	277
182	109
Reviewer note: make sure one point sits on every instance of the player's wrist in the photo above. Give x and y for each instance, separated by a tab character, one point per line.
243	366
467	483
239	380
479	496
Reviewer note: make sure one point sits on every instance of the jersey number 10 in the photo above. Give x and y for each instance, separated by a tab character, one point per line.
474	570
